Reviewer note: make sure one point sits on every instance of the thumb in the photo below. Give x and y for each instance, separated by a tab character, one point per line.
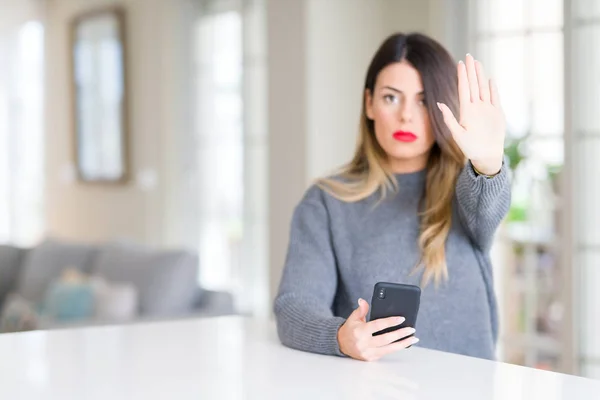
450	120
360	313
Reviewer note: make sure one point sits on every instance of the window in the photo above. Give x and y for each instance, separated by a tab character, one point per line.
230	137
220	145
21	135
584	63
520	43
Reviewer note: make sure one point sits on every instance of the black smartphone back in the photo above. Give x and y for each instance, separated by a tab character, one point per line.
395	300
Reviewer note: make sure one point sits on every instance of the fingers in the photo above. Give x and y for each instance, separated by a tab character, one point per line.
394	347
363	309
472	77
473	84
383	323
450	119
360	313
357	341
391	337
494	96
484	88
464	93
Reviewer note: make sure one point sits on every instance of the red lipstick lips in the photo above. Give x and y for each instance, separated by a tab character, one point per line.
403	136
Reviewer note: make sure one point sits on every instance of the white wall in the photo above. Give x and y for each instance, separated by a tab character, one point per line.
318	55
16	13
287	120
341	38
100	212
450	24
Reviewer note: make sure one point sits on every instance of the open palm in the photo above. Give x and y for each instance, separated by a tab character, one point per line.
481	128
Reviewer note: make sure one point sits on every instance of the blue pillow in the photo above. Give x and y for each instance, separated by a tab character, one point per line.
69	301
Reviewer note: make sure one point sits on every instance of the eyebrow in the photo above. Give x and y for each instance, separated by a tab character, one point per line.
400	91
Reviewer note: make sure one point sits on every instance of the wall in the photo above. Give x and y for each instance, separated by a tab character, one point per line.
449	23
99	212
16	13
318	55
287	120
342	36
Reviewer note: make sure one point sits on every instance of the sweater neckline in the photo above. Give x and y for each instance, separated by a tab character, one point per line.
416	177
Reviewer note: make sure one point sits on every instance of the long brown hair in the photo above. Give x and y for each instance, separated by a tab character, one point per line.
369	170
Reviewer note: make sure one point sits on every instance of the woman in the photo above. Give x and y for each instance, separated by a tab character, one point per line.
419	203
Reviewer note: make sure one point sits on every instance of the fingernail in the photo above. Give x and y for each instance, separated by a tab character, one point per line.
439	106
359	299
469	55
400	320
411	331
461	62
415	340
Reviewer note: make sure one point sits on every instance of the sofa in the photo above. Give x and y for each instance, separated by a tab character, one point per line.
64	284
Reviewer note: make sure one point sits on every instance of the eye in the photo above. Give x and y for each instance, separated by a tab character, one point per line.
390	99
422	102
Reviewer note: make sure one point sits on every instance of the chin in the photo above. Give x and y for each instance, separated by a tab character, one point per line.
405	153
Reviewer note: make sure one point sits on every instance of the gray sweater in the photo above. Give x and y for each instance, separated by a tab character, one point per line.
339	250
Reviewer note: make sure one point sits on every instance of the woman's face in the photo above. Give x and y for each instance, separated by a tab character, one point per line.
399	113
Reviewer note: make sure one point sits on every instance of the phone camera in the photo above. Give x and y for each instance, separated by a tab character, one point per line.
382	293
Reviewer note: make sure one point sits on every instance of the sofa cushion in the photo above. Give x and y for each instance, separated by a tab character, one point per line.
45	263
10	264
18	315
115	301
167	281
70	297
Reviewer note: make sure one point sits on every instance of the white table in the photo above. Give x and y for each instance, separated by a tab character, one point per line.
236	358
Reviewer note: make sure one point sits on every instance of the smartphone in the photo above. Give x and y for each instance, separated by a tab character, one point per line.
395	300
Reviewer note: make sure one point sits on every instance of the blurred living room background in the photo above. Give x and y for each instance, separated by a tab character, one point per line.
152	152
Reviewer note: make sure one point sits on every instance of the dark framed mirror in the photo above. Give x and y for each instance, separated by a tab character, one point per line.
99	88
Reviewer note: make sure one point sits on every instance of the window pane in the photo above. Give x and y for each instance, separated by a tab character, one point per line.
501	15
546	13
586	79
219	124
547	151
587	198
227	56
547	79
5	170
29	139
586	8
507	66
22	134
228	113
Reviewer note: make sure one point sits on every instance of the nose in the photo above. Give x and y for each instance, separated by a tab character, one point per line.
406	113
